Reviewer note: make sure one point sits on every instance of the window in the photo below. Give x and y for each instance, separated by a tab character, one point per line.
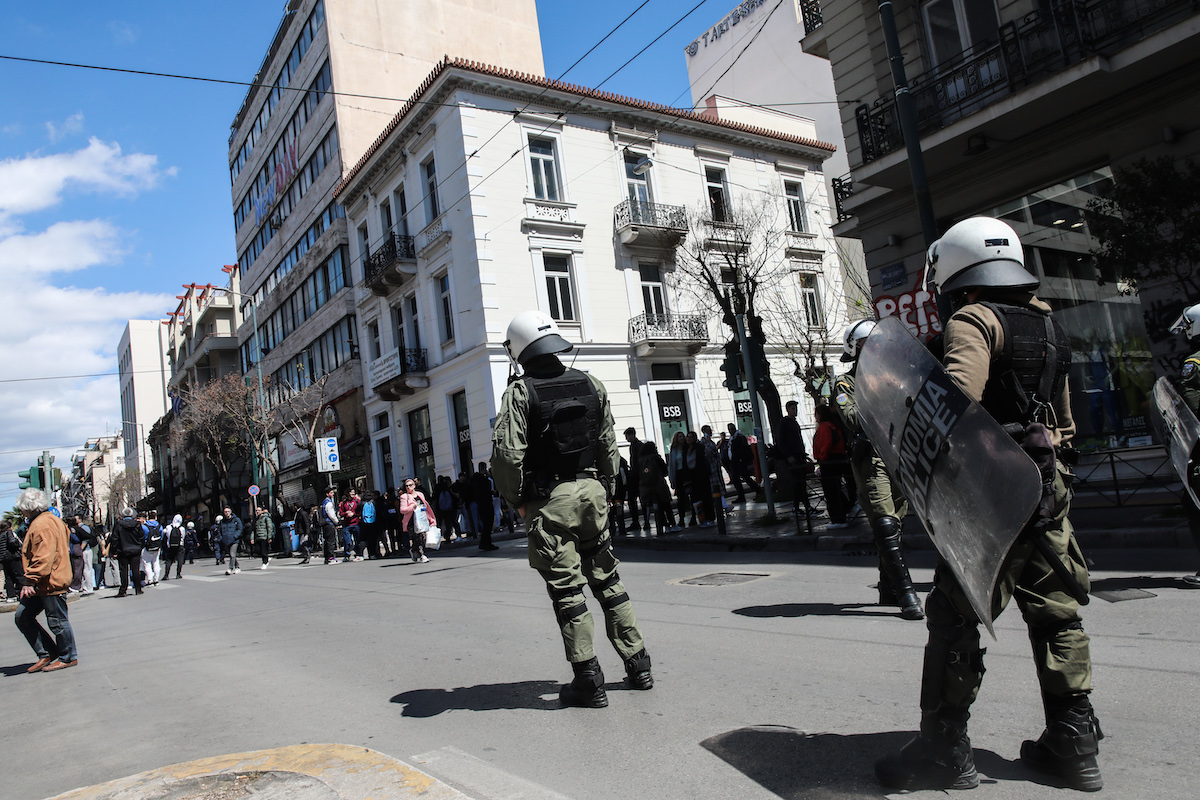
373	338
638	187
432	207
414	321
364	245
398	328
810	300
545	173
718	202
447	309
794	194
401	210
420	438
954	26
381	422
558	288
385	218
653	298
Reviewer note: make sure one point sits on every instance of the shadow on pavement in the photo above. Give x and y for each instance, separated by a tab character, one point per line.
821	766
482	697
1137	582
818	610
16	669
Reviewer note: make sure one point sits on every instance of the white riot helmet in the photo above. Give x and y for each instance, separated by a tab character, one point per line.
980	252
853	338
532	334
1188	323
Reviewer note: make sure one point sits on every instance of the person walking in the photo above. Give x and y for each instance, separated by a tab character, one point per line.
416	518
230	537
447	507
329	525
635	457
741	459
1005	350
653	489
829	449
303	522
484	513
554	448
350	511
678	471
152	549
45	576
264	532
126	543
173	542
88	546
10	559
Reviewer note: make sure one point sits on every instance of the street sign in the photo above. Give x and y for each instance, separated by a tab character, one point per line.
328	459
254	490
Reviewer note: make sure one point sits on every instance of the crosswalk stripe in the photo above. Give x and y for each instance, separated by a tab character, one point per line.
475	776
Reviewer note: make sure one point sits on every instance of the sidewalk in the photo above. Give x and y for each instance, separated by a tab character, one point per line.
1097	525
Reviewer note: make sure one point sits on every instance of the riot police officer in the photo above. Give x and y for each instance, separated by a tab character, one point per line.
880	498
1189	387
1004	349
554	451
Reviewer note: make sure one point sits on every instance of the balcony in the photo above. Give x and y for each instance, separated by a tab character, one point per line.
650	226
399	373
391	264
435	233
843	190
683	332
810	12
1031	49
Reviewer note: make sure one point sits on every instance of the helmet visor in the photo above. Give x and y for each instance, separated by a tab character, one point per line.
550	343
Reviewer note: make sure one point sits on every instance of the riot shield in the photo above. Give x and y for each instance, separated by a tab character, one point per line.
971	485
1179	431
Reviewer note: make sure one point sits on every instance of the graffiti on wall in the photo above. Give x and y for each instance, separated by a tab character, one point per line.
916	308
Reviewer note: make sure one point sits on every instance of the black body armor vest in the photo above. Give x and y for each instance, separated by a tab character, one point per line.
564	426
1027	377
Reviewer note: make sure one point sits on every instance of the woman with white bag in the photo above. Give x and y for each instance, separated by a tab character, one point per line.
418	521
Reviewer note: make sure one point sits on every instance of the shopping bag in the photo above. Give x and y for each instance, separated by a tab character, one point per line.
433	538
420	519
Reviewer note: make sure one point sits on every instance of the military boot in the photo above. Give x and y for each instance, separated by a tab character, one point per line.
637	671
587	689
938	758
1068	746
891	561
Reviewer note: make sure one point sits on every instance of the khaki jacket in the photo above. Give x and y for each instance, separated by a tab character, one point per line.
46	555
974	339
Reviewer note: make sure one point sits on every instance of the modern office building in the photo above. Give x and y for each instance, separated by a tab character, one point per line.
143	371
1028	111
464	214
335	72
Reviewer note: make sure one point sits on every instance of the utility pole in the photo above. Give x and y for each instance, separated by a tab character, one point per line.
739	313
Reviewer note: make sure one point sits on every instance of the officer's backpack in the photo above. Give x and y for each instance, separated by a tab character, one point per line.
564	422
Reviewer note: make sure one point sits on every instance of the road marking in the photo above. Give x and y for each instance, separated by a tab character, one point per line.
478	777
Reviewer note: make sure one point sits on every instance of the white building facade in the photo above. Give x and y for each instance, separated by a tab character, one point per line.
494	192
143	369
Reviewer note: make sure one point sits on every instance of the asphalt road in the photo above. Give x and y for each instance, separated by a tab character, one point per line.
787	685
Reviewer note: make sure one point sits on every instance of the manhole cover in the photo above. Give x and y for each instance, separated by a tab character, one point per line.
724	578
1117	595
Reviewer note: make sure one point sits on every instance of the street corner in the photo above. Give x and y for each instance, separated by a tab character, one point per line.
298	772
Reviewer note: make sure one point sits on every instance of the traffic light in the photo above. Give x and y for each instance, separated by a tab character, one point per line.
758	358
30	478
732	367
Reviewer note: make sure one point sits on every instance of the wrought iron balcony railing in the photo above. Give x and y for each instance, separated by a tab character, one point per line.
394	248
843	189
655	215
810	12
409	361
1030	49
670	327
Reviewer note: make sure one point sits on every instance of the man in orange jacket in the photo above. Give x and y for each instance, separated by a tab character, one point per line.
46	559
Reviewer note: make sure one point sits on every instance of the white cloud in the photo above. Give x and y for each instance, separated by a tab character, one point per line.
52	330
70	126
37	182
124	33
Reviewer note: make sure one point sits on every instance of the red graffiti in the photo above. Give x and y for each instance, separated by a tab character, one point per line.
915	308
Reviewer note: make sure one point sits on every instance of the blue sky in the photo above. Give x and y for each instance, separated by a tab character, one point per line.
114	188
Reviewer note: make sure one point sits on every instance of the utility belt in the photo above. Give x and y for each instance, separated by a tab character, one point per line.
540	483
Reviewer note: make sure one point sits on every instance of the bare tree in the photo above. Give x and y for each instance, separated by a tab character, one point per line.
124	489
208	429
